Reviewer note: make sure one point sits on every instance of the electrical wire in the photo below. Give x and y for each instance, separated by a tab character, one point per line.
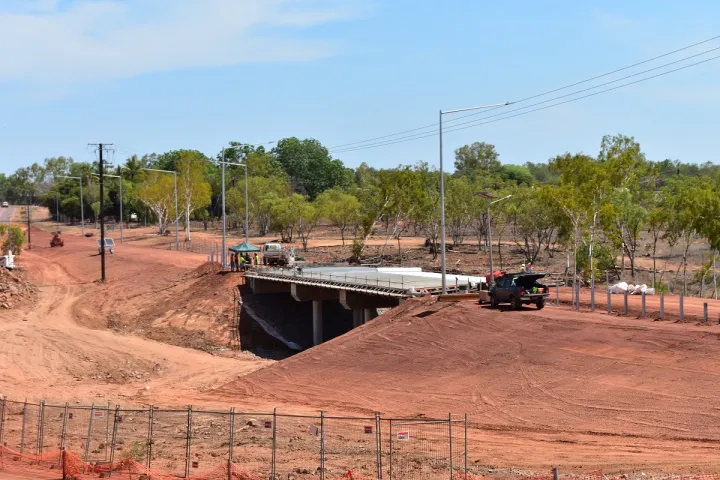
434	125
480	122
475	122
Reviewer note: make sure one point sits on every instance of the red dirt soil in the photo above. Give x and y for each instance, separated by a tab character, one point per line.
541	388
72	345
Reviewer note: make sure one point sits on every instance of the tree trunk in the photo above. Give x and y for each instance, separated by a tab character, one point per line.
715	294
342	235
499	251
187	225
654	253
399	251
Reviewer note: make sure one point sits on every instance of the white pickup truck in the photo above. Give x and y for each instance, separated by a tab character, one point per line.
275	254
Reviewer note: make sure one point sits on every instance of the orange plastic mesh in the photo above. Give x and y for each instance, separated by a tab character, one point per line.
74	468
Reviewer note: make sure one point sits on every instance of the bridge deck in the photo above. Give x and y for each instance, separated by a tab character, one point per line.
388	281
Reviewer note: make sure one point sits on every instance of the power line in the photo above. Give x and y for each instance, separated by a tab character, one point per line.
532	96
480	122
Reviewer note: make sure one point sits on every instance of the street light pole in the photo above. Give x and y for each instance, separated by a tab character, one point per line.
487	197
247	210
177	215
443	260
224	232
247	205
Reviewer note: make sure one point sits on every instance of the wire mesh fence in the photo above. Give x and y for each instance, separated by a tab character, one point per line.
97	441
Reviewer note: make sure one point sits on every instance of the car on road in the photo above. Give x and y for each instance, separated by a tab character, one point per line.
519	289
5	205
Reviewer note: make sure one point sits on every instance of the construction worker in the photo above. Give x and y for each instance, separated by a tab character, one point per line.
241	263
257	259
232	262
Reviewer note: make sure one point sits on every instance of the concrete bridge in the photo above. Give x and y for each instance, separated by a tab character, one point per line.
363	290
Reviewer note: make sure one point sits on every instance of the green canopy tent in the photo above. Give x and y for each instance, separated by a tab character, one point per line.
244	248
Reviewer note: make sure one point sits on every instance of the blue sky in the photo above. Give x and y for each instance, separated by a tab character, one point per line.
155	75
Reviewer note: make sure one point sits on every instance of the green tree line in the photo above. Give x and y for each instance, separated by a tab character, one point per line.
596	207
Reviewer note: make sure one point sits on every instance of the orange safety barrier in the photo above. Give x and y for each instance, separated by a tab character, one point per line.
68	466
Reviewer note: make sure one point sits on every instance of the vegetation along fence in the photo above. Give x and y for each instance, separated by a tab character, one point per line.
100	441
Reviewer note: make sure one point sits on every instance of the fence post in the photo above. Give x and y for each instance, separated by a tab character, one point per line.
63	434
662	305
2	420
89	435
466	447
391	449
151	420
274	443
625	300
41	428
322	445
555	473
22	432
557	295
592	293
187	441
682	309
643	305
113	440
705	313
231	442
378	446
107	430
451	443
609	300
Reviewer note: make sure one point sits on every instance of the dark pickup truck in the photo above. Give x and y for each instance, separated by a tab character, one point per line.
519	289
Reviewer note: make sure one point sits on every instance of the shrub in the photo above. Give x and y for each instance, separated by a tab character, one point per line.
14	241
604	261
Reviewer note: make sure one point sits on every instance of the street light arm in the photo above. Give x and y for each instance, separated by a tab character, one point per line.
500	199
443	112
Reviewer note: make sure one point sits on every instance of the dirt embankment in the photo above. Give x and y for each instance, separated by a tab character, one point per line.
538	386
14	289
62	349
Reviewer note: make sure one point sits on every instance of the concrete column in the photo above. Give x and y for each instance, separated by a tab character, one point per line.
317	322
369	314
357	317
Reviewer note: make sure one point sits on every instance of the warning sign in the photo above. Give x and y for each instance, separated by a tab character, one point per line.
403	436
368	429
99	413
314	430
195	464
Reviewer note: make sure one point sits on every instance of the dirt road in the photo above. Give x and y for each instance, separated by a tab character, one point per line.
62	347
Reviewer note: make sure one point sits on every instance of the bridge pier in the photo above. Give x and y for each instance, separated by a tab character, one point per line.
369	314
358	317
317	321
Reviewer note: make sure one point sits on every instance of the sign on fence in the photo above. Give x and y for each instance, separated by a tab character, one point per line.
314	430
405	436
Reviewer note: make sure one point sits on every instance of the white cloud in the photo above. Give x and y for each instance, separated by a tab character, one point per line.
50	41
